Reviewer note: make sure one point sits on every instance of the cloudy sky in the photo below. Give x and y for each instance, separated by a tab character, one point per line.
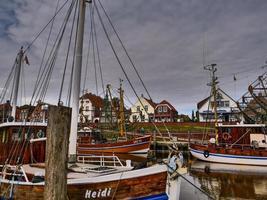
169	42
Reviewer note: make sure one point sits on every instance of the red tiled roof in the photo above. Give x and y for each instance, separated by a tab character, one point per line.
166	102
152	103
5	106
201	103
96	101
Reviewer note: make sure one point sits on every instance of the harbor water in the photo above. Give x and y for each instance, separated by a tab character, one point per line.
222	181
205	180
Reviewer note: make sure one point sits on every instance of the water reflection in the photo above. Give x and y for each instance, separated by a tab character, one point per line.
221	181
226	182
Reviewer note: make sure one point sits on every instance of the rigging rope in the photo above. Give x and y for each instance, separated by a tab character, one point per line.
66	60
68	101
43	29
88	52
98	56
5	89
46	45
47	70
124	72
125	50
93	48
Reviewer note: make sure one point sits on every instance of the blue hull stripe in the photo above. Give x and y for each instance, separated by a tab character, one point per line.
231	156
114	147
162	196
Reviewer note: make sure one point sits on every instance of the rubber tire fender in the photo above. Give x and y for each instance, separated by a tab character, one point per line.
206	153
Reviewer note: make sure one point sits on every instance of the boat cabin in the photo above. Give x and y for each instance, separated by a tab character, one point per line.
253	135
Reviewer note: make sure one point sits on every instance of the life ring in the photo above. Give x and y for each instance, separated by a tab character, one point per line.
40	134
206	153
226	136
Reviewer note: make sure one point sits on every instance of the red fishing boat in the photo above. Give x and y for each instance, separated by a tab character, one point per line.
136	145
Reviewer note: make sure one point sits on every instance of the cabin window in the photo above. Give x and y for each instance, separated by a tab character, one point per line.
138	108
226	129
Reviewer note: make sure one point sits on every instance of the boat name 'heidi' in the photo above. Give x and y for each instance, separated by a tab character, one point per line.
97	193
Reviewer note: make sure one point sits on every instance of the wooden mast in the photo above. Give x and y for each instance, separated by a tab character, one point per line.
122	117
212	68
76	83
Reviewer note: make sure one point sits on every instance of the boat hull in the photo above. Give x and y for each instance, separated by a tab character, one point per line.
138	145
133	184
221	156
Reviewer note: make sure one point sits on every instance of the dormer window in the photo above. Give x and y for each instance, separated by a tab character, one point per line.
165	108
160	109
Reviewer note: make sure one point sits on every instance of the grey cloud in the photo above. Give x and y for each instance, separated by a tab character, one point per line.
165	40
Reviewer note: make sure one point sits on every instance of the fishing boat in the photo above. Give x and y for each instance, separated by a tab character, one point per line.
236	144
122	144
23	170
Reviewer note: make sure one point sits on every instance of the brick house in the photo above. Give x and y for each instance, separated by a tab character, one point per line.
165	112
90	108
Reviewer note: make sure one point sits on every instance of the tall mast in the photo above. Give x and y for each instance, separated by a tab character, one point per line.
76	83
112	107
122	119
212	68
16	83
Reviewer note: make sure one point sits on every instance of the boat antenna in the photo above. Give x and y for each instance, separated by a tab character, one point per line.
214	81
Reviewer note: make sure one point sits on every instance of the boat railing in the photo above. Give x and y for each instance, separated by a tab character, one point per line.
101	160
242	146
14	172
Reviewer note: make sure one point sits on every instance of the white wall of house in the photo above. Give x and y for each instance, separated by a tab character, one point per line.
137	107
88	110
226	104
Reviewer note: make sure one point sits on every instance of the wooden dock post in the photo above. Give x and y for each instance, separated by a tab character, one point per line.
57	144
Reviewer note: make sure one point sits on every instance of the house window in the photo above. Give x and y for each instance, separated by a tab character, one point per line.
134	118
87	108
142	118
146	108
165	109
226	104
138	108
160	109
